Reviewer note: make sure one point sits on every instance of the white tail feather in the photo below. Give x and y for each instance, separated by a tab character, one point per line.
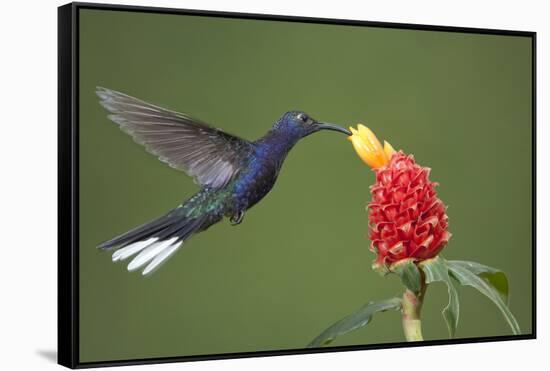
149	253
132	249
161	258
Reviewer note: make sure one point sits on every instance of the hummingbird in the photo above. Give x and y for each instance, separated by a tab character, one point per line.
234	174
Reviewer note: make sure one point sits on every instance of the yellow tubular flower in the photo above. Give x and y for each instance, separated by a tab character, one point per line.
388	150
368	147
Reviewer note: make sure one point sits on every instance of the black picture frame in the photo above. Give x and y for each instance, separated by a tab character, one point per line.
68	181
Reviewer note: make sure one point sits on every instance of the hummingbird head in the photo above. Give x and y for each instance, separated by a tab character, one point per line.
300	124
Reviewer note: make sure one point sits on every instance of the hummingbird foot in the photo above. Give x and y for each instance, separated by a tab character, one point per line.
237	218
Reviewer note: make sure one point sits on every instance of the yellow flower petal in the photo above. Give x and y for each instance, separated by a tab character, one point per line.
368	147
361	149
388	150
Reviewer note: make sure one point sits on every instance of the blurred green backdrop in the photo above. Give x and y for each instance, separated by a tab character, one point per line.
300	261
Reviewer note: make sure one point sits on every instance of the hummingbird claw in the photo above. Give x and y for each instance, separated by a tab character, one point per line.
237	218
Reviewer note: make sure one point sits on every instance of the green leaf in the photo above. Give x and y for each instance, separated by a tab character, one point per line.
380	268
409	274
436	270
467	277
360	318
493	276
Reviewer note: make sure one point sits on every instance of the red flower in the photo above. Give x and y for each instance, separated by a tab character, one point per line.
406	218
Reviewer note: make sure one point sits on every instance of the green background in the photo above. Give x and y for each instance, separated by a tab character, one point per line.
461	103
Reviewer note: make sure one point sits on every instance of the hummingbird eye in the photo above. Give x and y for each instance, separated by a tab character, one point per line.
302	117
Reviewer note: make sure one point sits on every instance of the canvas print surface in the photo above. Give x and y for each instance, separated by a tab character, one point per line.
263	219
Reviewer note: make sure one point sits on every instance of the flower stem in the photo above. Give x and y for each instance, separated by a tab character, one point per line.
411	307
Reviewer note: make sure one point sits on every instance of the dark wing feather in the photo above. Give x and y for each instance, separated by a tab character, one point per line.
212	157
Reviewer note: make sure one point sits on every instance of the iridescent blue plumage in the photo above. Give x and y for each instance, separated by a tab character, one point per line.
234	173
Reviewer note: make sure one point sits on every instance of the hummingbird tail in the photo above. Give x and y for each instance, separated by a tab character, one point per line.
156	241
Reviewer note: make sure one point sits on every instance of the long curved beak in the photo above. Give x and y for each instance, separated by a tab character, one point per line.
327	126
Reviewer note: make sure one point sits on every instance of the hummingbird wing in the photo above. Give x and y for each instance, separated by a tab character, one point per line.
209	155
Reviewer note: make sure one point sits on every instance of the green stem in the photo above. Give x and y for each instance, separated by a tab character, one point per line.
411	308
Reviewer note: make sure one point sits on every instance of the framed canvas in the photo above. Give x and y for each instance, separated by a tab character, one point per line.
238	185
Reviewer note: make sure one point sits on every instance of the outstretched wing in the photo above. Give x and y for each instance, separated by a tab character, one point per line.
212	157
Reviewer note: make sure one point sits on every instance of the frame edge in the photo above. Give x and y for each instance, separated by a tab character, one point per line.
67	323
